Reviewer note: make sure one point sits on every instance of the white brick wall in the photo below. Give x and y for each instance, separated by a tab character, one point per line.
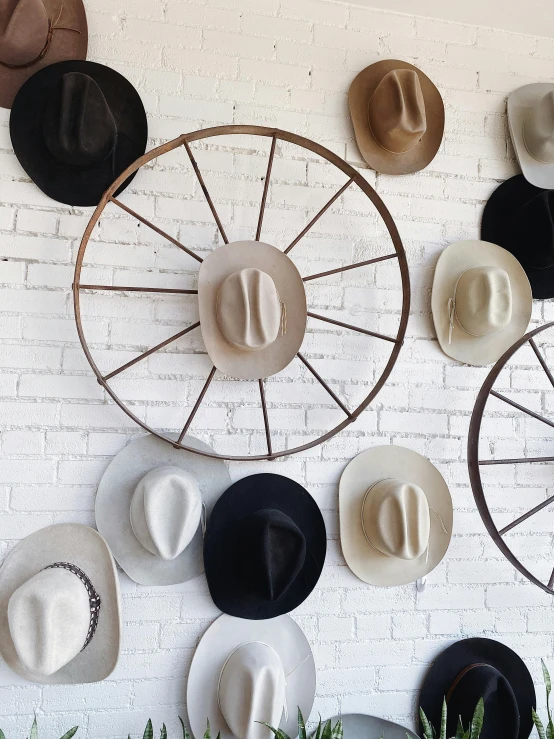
286	63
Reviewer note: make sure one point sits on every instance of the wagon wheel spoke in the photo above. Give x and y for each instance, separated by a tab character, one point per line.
324	384
156	229
540	357
151	351
355	328
527	515
551	580
519	460
196	406
266	420
127	289
522	408
205	191
350	266
266	187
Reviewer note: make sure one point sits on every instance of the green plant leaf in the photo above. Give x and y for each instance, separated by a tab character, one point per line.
70	733
2	735
317	734
34	729
148	731
427	728
279	733
443	719
207	732
477	720
460	730
538	725
301	725
338	730
186	734
163	732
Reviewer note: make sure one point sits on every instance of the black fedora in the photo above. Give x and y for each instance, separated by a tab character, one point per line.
76	126
520	218
264	547
480	668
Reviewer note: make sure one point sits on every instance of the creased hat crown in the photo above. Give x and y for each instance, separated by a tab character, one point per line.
23	31
396	111
538	129
483	300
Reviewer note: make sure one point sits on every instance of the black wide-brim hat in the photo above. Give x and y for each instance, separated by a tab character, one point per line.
264	529
519	217
71	183
453	664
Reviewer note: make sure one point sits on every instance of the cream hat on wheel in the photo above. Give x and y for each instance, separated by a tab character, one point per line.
395	516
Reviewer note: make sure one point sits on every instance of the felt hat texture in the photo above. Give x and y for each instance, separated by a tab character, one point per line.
244	671
253	312
398	116
531	122
395	515
35	34
481	301
520	217
264	548
362	726
75	127
475	668
60	609
151	506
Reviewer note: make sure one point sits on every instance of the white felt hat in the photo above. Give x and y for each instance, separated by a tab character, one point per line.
395	515
531	121
60	610
151	506
248	671
481	301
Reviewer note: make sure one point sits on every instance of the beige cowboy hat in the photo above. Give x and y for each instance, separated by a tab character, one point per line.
395	516
60	609
398	116
481	301
35	34
531	122
252	309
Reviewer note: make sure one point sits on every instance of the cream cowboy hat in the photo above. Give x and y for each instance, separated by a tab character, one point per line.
531	122
481	301
60	609
395	516
253	310
244	672
152	504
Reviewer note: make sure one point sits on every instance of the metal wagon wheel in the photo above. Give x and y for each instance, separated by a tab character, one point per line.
354	178
475	464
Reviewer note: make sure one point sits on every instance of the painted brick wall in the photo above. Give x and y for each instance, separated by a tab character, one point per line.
286	63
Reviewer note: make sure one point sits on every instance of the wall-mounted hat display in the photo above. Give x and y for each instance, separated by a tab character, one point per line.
244	672
60	611
152	504
480	668
265	547
520	217
531	121
361	726
481	301
34	34
395	515
398	116
75	127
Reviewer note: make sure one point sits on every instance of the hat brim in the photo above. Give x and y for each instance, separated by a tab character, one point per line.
381	160
65	45
222	638
81	186
363	471
520	104
84	547
456	259
113	502
215	268
450	663
228	588
361	726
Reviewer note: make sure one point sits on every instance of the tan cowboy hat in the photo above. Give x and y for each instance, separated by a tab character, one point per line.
35	34
395	516
481	301
398	116
253	310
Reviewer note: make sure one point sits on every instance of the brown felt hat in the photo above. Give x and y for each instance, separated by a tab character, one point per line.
35	34
398	117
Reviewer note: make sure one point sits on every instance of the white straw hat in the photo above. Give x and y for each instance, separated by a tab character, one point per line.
531	121
60	610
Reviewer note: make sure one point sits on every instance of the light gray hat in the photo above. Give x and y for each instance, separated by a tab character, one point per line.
531	122
361	726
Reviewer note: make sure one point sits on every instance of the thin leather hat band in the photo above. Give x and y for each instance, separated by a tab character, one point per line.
461	675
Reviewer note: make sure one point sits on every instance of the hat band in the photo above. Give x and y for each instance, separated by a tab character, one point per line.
460	676
93	597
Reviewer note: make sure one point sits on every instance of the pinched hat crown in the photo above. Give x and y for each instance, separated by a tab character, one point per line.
396	111
538	130
483	300
24	32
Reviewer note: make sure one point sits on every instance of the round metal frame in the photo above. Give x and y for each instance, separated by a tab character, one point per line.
354	178
474	463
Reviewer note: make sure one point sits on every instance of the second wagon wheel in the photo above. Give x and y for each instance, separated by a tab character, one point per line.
210	198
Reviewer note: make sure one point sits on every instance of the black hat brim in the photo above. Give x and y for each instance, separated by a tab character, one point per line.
450	663
80	186
228	587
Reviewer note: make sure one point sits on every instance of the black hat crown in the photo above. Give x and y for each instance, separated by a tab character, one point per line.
536	231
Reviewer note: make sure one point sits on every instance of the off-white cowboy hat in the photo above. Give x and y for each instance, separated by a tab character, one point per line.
395	515
481	301
60	610
531	122
253	310
151	506
362	726
248	671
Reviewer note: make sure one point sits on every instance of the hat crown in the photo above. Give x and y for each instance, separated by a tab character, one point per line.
252	689
23	31
49	618
396	111
249	309
535	229
538	129
78	126
165	511
483	300
396	519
